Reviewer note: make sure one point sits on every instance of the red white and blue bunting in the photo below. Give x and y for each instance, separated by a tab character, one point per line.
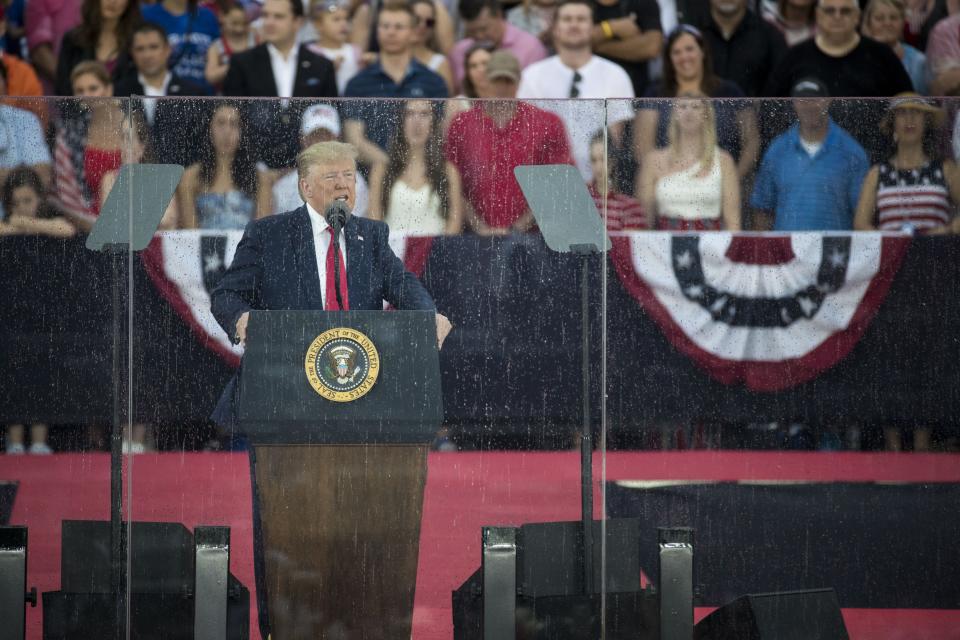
769	312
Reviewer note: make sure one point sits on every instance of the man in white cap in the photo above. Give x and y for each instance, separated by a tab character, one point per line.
320	123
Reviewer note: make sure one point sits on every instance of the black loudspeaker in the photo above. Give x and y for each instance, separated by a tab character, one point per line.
8	492
161	584
786	615
550	601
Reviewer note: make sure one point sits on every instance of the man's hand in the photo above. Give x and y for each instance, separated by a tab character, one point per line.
241	333
443	328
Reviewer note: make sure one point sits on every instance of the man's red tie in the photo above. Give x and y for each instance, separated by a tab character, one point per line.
330	291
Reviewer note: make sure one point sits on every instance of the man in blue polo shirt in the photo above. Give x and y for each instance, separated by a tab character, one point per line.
811	175
370	124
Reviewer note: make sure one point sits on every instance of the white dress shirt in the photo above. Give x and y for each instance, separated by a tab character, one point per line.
321	243
550	80
150	106
284	71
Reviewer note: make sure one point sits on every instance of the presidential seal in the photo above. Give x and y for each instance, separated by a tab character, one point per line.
342	364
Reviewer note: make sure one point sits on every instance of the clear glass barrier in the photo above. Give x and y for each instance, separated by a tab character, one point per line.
749	386
757	383
65	361
349	538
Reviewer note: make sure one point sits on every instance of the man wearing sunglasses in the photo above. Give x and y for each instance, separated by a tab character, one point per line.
847	64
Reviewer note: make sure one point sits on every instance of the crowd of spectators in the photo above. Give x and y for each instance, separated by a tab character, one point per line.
637	71
679	114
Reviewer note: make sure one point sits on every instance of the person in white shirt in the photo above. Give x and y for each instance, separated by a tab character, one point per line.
576	73
321	123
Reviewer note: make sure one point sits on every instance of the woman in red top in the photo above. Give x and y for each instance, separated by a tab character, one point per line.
89	143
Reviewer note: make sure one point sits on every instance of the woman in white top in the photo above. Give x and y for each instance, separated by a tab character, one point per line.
425	48
417	191
691	184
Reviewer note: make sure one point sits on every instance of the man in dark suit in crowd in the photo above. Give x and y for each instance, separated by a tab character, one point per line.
174	124
279	68
266	274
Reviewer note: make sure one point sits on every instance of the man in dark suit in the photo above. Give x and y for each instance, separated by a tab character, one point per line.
174	124
281	69
285	261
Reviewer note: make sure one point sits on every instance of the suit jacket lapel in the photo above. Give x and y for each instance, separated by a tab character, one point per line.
356	248
305	259
304	70
265	71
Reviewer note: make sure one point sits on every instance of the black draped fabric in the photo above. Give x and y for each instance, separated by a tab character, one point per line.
513	359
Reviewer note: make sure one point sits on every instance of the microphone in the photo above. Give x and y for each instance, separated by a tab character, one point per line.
336	215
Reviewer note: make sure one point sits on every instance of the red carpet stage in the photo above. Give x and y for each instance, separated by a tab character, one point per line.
464	492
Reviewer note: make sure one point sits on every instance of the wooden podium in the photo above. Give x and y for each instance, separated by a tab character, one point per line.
339	483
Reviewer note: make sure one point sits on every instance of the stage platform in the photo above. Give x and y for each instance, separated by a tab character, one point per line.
464	492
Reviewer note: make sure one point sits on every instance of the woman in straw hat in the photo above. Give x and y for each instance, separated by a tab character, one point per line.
914	190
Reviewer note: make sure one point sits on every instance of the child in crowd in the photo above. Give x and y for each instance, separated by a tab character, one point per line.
624	213
26	214
534	17
235	36
23	202
332	24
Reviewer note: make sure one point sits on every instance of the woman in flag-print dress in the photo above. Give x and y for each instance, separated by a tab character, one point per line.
914	190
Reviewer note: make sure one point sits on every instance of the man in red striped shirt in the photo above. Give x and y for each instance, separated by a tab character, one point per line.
623	212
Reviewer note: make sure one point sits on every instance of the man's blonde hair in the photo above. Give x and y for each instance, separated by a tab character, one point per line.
323	153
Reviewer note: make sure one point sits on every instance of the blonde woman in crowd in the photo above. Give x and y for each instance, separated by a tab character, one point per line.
884	21
89	143
137	149
688	69
692	184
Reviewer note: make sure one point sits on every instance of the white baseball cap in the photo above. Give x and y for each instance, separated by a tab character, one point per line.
320	116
